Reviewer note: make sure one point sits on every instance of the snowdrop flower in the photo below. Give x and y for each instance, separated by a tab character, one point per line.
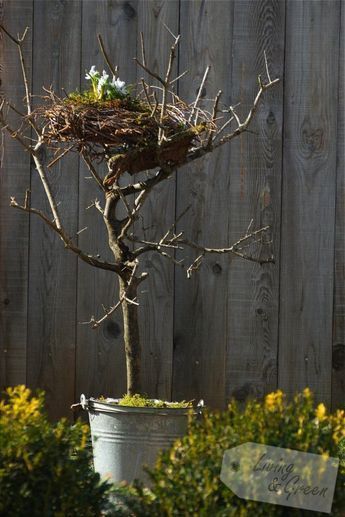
104	89
119	85
103	84
103	81
92	74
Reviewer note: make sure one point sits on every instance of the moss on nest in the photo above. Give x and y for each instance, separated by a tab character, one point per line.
87	98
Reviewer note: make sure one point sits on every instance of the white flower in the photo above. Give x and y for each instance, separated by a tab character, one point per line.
102	81
92	73
103	88
119	85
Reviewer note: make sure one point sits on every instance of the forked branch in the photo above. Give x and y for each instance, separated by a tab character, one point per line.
124	297
19	41
179	242
85	257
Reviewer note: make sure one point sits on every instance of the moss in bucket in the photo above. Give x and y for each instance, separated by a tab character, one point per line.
143	401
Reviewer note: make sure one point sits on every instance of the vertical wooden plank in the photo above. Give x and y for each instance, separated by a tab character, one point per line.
14	225
156	298
100	353
338	351
225	319
52	276
309	182
200	321
255	193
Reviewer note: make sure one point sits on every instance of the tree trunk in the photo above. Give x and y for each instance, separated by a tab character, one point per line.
128	287
131	337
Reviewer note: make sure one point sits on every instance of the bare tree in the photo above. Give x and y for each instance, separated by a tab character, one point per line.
156	131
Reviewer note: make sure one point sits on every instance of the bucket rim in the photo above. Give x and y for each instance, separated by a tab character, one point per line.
110	405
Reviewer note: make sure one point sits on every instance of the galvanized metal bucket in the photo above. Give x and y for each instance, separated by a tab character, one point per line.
124	439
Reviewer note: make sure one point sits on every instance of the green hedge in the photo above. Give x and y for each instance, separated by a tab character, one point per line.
45	469
186	482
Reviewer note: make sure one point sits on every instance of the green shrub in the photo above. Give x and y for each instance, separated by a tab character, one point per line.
45	469
186	482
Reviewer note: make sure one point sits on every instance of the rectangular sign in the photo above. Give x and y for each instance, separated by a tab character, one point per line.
280	476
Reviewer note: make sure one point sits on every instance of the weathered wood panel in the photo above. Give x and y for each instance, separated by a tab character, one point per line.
14	225
308	211
235	328
100	353
338	351
200	325
254	194
52	275
157	296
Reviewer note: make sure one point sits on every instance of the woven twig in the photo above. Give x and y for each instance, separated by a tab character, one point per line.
129	126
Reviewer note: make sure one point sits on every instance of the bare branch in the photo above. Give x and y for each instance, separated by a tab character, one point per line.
85	257
108	312
166	85
14	134
236	117
42	174
31	122
262	89
133	213
195	265
53	162
148	184
150	72
221	129
19	42
267	69
22	38
146	92
214	116
179	77
113	69
164	82
170	31
168	240
12	38
96	204
199	92
170	257
131	216
234	248
249	226
82	230
143	54
25	78
201	151
14	108
156	105
93	172
27	199
177	242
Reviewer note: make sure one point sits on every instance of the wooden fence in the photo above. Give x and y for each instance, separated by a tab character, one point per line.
235	328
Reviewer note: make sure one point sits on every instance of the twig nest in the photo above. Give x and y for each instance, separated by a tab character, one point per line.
124	132
112	123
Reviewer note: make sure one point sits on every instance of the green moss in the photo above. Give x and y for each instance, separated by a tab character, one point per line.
143	401
87	98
